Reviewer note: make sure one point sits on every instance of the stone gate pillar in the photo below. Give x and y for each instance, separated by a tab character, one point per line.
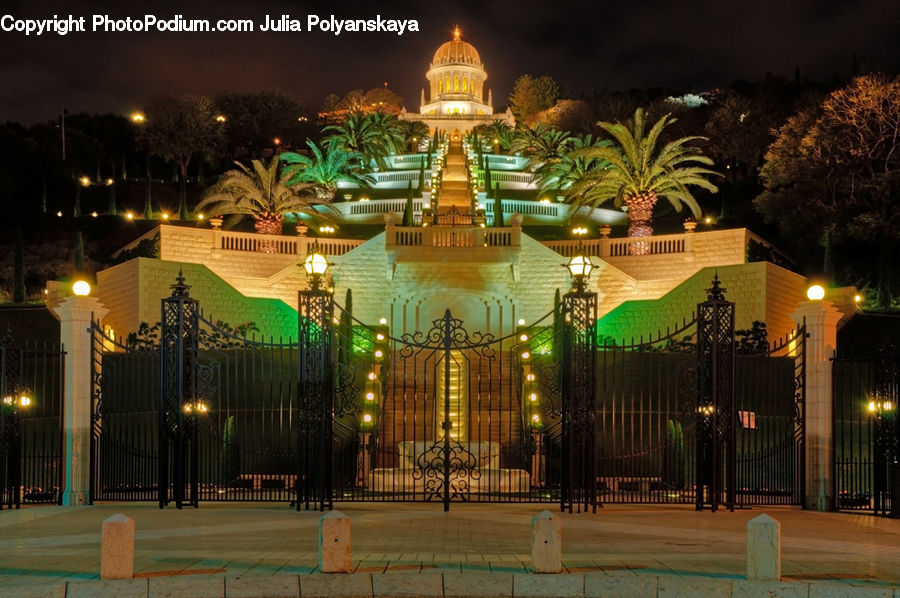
75	314
821	319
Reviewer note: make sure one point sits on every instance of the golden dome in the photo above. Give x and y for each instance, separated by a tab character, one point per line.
456	51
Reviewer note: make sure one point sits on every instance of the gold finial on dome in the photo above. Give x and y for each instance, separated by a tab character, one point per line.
456	33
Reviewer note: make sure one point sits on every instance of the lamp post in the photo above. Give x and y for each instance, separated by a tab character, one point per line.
579	370
315	386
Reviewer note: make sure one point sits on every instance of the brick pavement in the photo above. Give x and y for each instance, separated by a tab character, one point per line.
56	545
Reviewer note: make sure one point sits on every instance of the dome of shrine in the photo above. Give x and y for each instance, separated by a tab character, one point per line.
456	51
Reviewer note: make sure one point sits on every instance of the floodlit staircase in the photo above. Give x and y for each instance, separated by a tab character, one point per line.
454	184
457	390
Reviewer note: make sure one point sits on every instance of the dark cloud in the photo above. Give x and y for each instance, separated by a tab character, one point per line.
691	44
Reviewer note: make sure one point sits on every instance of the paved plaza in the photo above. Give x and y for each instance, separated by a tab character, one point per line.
42	548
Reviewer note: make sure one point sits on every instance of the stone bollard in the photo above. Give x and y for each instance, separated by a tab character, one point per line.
334	543
117	548
763	549
546	543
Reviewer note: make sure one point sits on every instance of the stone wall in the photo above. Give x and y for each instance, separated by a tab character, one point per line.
636	294
132	292
760	290
485	296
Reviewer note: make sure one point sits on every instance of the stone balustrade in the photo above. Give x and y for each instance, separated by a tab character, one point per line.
657	244
452	236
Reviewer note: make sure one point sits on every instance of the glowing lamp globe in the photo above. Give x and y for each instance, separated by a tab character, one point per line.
81	288
579	266
315	264
815	293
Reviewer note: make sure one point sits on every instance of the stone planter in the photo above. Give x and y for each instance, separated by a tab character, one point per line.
216	222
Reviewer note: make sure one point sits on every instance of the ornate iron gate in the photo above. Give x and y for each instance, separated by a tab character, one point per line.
866	429
124	415
31	377
426	416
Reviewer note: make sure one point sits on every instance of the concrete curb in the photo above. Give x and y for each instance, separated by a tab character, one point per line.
448	585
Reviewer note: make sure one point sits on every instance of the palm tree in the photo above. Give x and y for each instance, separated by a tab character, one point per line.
374	135
260	191
541	143
325	169
560	175
498	133
413	133
639	171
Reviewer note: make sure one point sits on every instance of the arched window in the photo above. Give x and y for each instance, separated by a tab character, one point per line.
447	83
440	87
465	85
455	83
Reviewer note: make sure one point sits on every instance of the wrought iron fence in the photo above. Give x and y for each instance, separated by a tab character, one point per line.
866	434
31	383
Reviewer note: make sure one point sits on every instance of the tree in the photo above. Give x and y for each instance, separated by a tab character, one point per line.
375	136
345	338
78	253
839	162
530	95
498	206
541	143
326	168
263	191
498	134
178	129
408	209
253	120
575	116
19	268
641	170
231	456
561	174
413	132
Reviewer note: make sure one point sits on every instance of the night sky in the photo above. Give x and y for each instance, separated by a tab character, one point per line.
689	45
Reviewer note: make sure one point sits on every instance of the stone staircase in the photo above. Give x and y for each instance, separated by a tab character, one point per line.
454	185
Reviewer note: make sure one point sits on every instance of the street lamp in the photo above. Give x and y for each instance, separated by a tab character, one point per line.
879	407
815	293
580	267
81	288
315	265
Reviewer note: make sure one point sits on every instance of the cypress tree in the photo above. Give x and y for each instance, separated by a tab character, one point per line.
557	326
78	253
421	184
76	210
488	183
498	206
408	210
19	269
148	194
231	456
111	208
345	340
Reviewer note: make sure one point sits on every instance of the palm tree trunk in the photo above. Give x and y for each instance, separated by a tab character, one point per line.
640	212
268	224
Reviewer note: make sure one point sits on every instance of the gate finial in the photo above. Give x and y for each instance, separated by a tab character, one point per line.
180	288
716	292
